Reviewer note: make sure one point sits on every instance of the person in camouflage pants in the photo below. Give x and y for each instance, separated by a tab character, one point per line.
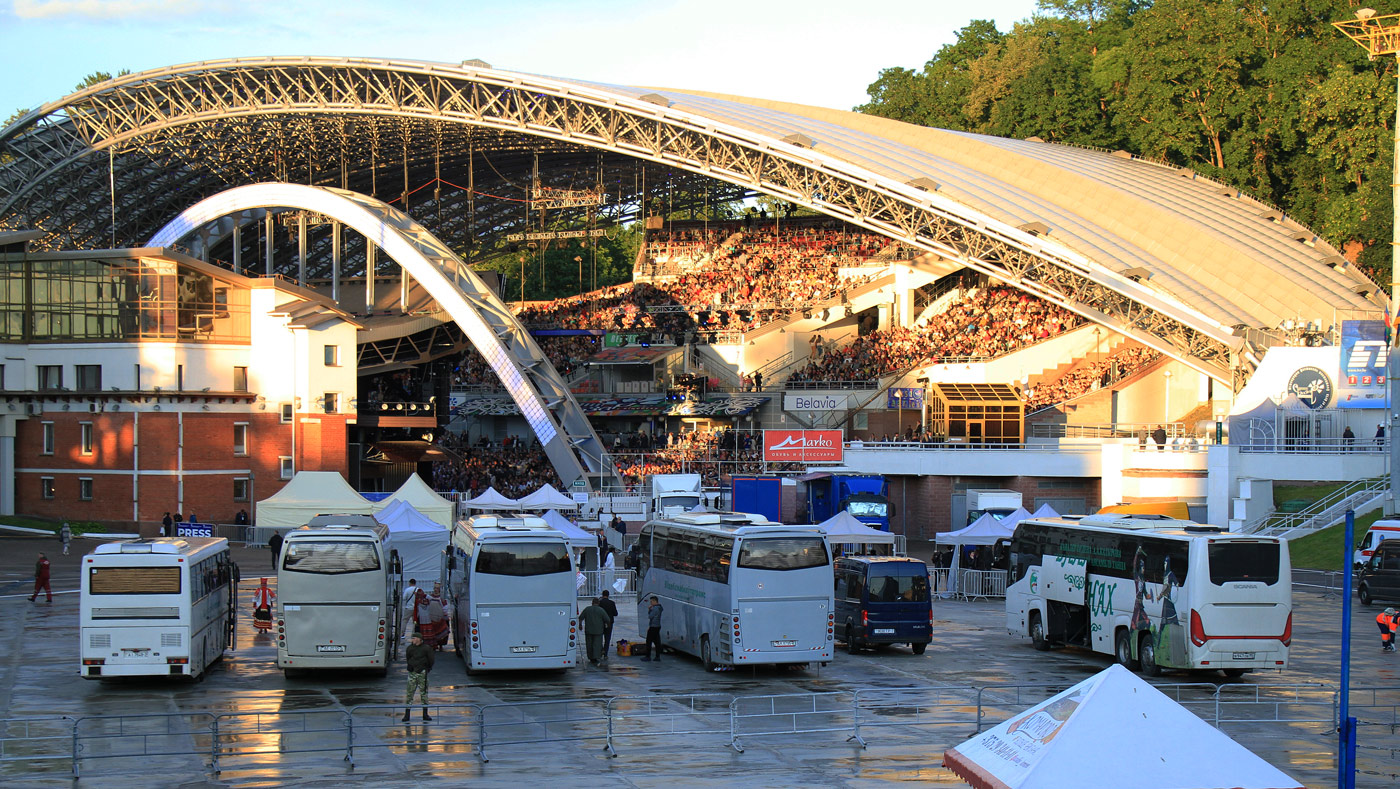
420	662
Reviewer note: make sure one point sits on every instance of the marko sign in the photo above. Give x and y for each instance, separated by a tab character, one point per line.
802	445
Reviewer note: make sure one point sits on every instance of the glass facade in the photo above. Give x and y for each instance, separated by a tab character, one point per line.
120	299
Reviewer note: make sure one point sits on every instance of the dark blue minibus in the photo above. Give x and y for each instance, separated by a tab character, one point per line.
883	600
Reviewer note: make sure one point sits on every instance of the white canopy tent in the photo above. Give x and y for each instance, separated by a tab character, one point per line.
986	530
1045	511
491	501
424	499
579	538
306	495
1010	520
419	540
843	528
1112	729
547	498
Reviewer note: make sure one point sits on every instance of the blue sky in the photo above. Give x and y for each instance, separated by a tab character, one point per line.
822	52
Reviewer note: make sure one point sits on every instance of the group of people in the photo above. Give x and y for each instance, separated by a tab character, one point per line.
1090	375
598	619
512	466
984	323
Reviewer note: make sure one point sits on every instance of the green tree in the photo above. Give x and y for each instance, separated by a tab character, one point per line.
936	95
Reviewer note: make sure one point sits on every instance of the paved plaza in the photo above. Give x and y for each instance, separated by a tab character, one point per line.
38	683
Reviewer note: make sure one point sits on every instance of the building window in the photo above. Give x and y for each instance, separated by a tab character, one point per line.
47	430
332	355
2	376
89	377
179	378
50	377
46	487
85	488
240	379
240	489
288	468
85	437
286	413
332	402
240	438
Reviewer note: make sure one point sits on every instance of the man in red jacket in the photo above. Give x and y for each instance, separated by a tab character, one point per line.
41	578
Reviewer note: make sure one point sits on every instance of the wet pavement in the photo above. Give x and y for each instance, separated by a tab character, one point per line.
299	737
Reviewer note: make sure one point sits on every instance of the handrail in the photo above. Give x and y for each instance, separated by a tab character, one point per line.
1275	522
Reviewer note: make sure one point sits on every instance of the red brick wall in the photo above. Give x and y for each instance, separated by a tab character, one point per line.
924	504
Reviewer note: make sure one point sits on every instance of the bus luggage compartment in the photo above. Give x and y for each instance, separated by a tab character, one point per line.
522	629
332	629
783	626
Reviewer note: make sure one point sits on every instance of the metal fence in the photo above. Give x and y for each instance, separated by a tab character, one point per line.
619	583
171	743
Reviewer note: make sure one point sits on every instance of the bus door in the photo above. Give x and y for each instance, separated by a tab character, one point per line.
1063	583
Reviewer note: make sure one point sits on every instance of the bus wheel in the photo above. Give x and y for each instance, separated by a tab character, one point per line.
1038	633
1364	595
851	646
1123	650
919	648
706	661
1147	655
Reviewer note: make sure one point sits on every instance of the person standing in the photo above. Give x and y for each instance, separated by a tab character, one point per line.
595	623
165	524
609	568
410	596
1349	437
1159	437
274	544
41	578
263	600
1380	436
605	602
65	536
653	630
419	657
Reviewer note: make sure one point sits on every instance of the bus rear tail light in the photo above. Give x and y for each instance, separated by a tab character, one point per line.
864	618
1287	637
1198	630
94	661
177	660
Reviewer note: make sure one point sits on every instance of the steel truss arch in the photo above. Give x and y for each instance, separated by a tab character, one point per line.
194	107
544	398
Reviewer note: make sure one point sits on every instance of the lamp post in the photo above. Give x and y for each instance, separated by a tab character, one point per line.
579	260
1380	35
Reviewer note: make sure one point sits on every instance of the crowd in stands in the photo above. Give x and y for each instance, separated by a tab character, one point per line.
513	466
986	323
1091	375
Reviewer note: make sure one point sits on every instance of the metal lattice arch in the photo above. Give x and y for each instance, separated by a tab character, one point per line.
1176	261
544	398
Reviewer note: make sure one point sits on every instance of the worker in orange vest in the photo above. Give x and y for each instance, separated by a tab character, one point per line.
1389	622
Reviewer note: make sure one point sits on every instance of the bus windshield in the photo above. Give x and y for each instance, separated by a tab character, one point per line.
868	509
331	557
1244	561
898	589
134	580
782	553
523	558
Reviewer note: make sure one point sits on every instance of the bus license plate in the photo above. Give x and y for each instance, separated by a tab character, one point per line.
784	643
1242	656
330	647
884	631
519	650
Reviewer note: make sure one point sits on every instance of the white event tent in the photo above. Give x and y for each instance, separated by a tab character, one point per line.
1112	729
419	540
843	528
579	538
491	501
424	499
306	495
547	498
1045	511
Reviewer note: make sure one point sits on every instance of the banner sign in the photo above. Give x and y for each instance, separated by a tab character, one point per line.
647	405
802	445
194	530
805	402
909	399
549	235
1361	381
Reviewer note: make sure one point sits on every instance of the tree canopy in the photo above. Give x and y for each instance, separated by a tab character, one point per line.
1266	97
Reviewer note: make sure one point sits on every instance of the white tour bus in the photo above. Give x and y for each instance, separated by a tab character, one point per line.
1154	592
512	584
337	595
156	607
738	590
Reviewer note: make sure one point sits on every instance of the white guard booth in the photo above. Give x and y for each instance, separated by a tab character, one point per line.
547	498
308	494
1112	729
843	528
419	541
416	492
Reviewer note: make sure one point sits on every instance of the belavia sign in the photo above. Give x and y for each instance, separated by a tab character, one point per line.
802	445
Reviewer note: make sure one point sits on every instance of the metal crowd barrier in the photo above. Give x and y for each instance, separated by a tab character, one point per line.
981	584
789	713
928	706
539	722
691	714
595	581
1376	707
144	736
28	740
279	733
379	726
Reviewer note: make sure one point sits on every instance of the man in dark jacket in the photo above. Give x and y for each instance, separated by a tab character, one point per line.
420	661
41	578
653	630
595	624
274	544
605	602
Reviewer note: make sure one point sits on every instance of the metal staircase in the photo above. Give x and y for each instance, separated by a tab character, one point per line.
1362	495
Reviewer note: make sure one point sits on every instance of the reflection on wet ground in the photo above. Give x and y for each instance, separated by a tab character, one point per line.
276	731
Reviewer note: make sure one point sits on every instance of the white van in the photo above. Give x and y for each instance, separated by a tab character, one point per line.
1380	530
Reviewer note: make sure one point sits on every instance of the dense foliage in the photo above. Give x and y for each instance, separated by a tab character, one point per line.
1267	97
